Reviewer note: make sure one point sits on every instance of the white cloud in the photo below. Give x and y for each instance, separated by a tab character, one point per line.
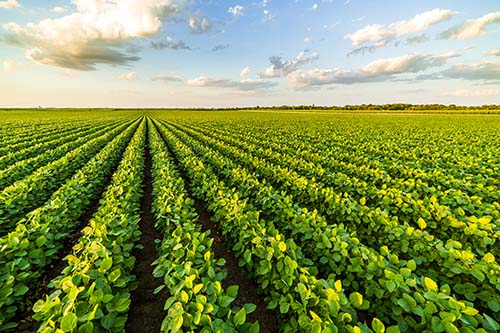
359	19
473	93
379	70
243	85
314	77
130	76
268	16
58	10
377	32
203	81
199	23
472	28
245	71
93	34
314	7
236	11
408	63
332	25
8	66
262	3
307	39
493	52
8	4
279	67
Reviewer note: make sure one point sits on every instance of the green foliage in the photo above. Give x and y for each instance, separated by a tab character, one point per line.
32	191
186	263
348	223
92	292
447	256
304	302
35	242
18	164
282	212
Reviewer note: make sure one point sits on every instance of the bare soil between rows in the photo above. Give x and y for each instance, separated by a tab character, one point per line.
146	311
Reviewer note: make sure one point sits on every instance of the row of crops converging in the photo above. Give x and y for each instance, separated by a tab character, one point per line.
340	229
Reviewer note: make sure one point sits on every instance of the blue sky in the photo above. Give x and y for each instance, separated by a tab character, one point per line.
169	53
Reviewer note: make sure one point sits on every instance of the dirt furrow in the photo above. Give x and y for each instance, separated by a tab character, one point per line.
146	310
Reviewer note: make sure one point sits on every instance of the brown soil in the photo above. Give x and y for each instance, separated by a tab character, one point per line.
146	310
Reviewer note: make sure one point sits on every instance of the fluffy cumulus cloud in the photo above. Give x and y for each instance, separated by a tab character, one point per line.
472	28
236	11
484	71
280	67
243	85
169	43
93	34
199	23
379	70
8	4
378	32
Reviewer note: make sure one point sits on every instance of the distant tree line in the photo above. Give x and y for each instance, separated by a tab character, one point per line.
352	107
394	106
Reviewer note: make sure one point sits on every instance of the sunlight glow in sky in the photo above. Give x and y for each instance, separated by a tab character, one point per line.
175	53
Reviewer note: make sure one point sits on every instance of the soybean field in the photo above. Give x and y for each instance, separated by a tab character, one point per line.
240	221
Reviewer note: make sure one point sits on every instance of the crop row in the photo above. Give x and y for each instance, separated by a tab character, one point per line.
38	239
382	280
386	166
26	194
191	274
93	291
444	262
444	214
47	143
343	228
284	274
395	147
26	166
22	141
